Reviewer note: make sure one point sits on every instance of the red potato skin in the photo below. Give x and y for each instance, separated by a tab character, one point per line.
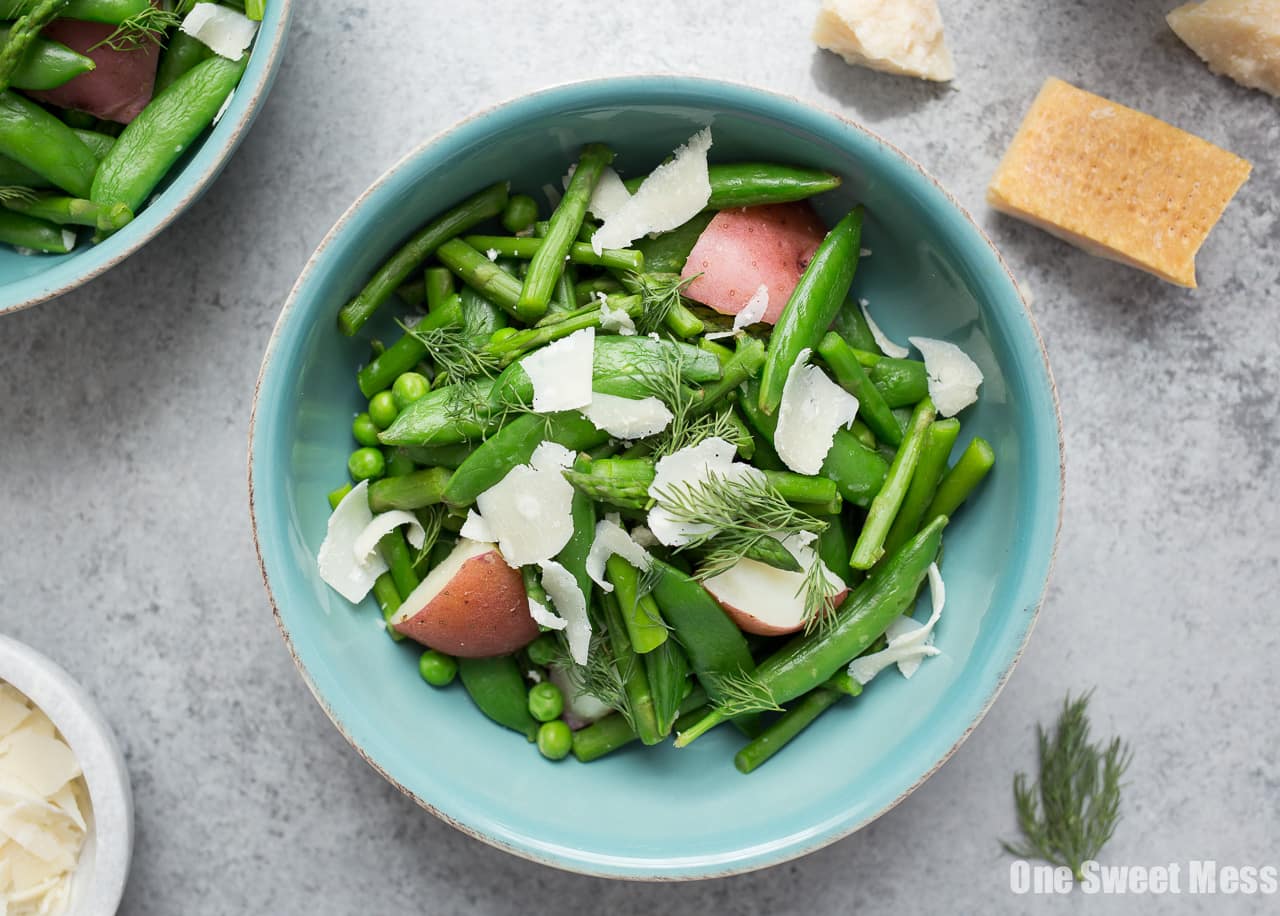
118	89
482	612
749	623
745	247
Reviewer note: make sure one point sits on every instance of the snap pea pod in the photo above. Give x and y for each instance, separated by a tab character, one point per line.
437	287
153	141
974	464
614	731
750	184
669	252
631	671
822	289
873	410
486	277
884	508
548	261
587	291
852	327
833	545
668	670
21	37
111	12
472	211
526	248
181	53
645	627
35	234
45	64
440	456
497	687
938	443
73	211
807	661
395	550
15	174
380	372
902	382
444	416
513	445
857	470
791	723
480	317
414	490
34	138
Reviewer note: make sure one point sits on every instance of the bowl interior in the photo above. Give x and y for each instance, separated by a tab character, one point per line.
28	279
661	812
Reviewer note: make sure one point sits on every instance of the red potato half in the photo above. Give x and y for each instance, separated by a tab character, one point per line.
121	85
743	248
763	599
472	605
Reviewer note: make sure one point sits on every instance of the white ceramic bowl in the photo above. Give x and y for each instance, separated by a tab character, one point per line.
100	877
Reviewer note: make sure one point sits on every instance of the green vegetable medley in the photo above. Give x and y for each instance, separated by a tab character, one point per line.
698	576
85	142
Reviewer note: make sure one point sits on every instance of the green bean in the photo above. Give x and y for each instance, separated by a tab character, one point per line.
73	211
99	143
974	464
614	731
631	671
382	371
872	409
565	223
786	727
111	12
586	291
388	598
801	488
884	508
646	629
579	253
852	327
34	234
181	53
411	491
520	214
924	483
437	287
669	252
497	687
751	184
817	298
484	276
34	138
472	211
171	122
808	660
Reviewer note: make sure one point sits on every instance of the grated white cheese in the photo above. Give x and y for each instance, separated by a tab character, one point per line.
612	539
226	32
910	642
562	588
686	469
543	616
752	312
615	320
42	802
813	407
340	569
561	372
530	511
673	194
887	346
628	418
383	524
491	254
954	378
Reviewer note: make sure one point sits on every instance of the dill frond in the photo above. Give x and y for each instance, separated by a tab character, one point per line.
150	26
454	353
17	194
742	694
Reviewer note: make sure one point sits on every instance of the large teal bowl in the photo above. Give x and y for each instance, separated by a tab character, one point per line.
26	280
664	813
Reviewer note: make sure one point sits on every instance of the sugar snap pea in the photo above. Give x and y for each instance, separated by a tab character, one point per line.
668	670
409	491
614	731
181	53
631	671
45	64
645	626
73	211
111	12
34	138
35	234
750	184
20	39
497	687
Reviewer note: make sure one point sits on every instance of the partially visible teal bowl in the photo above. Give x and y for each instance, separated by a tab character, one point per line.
663	813
27	280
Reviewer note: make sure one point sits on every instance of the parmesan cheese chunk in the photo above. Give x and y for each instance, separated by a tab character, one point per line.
611	538
341	570
684	470
543	616
887	346
561	372
475	528
384	524
813	407
953	377
1116	182
1236	38
615	320
562	588
752	312
628	418
895	36
530	511
608	197
226	32
674	193
910	642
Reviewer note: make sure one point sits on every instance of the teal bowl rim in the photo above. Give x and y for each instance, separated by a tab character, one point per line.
184	189
782	108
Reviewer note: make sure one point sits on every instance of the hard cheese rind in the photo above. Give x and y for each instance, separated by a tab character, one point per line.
1116	182
1236	38
893	36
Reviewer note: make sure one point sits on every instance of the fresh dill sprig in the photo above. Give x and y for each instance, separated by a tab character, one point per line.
432	520
817	590
688	425
454	353
1072	809
16	194
599	677
148	26
741	694
658	295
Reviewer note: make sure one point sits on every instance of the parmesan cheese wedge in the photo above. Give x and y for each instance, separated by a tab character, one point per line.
1116	182
611	538
530	511
887	346
954	378
562	588
226	32
628	418
909	641
813	407
894	36
1236	38
561	372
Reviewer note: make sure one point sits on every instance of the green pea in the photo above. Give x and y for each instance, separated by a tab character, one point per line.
383	409
437	669
365	430
555	740
521	213
546	702
501	334
366	464
409	387
544	650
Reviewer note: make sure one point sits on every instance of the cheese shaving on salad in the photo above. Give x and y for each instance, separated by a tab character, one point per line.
813	407
910	642
348	574
887	346
530	511
953	377
224	31
561	372
687	468
611	538
562	588
628	418
752	312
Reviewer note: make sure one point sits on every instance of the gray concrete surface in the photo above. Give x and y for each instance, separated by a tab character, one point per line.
126	554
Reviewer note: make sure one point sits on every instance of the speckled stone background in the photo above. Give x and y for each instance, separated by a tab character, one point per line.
125	551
